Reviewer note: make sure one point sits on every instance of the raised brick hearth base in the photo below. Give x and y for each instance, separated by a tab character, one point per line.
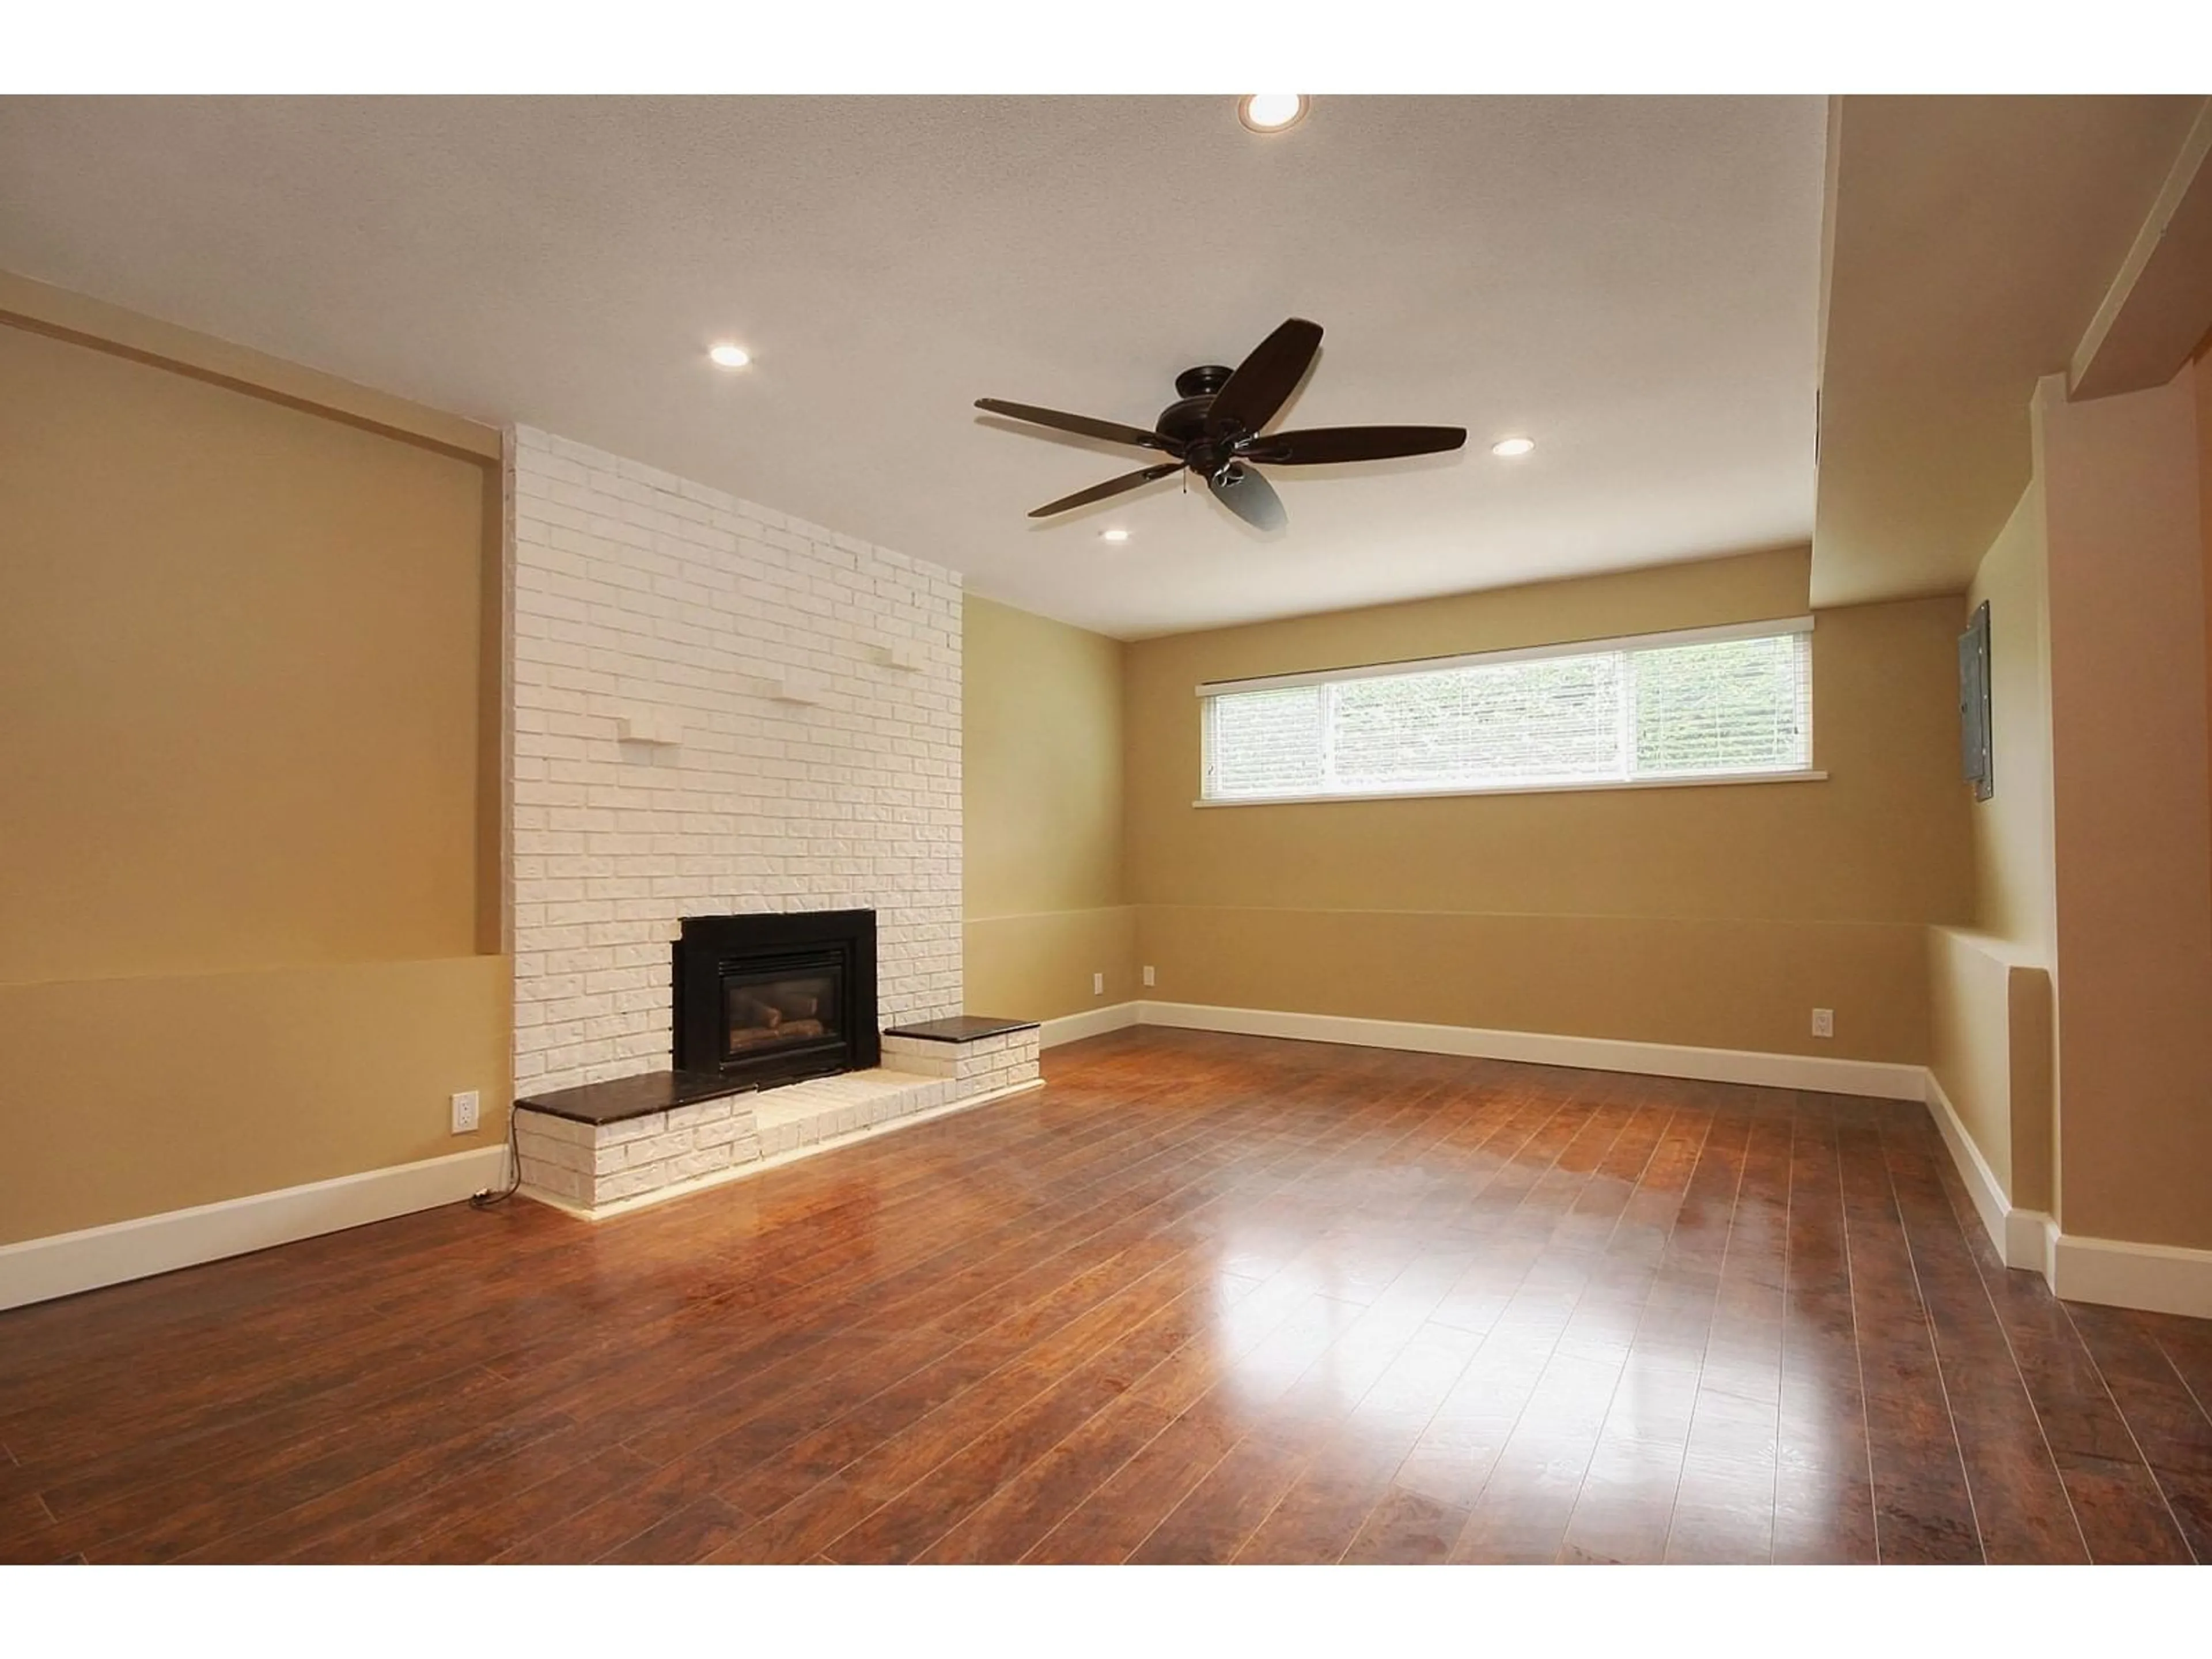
596	1169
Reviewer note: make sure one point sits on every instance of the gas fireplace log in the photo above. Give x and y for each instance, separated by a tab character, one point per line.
762	1036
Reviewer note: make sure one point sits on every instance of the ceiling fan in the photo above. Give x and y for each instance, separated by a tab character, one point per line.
1214	430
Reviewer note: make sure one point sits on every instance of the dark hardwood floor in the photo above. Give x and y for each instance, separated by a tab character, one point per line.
1205	1299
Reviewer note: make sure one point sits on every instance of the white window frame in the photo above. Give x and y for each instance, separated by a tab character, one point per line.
1631	644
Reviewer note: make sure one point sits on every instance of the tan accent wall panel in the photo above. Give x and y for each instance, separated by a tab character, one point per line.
249	811
1039	966
2132	822
1990	1047
1040	763
2201	375
1705	983
2031	1018
240	679
129	1097
1969	1045
1042	796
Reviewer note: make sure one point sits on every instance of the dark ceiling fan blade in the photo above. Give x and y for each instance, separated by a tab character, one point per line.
1264	379
1111	487
1250	497
1112	431
1318	445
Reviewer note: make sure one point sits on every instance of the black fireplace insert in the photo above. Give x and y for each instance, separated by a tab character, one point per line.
773	998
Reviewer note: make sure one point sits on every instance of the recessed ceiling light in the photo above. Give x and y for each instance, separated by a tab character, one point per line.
1512	446
1272	112
730	357
1113	535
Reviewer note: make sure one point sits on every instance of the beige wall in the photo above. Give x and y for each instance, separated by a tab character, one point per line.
239	659
129	1097
1968	1045
1718	916
1042	788
2201	374
1039	966
1990	990
248	861
1989	1045
2013	893
2132	822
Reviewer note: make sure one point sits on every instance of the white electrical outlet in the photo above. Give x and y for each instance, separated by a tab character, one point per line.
1149	979
1824	1022
464	1112
1098	985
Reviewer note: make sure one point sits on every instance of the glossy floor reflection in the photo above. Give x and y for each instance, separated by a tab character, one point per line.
1204	1300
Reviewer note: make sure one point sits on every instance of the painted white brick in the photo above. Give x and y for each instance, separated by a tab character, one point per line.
635	587
545	1126
709	1111
551	1178
723	1133
651	1126
629	1183
704	1160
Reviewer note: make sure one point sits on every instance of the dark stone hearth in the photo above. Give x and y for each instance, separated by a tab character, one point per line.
628	1098
961	1028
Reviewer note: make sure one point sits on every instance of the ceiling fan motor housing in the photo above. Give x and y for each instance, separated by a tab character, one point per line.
1185	418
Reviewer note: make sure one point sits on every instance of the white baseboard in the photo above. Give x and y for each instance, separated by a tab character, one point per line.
1091	1023
2156	1278
1878	1079
38	1269
2030	1241
1990	1202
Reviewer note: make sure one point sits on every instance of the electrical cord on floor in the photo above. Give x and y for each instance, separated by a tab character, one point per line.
485	1198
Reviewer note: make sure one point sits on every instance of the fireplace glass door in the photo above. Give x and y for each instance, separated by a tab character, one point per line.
783	1009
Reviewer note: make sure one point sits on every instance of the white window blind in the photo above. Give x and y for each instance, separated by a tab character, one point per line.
1684	707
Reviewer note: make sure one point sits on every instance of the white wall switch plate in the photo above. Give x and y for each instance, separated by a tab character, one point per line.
1148	975
1098	985
464	1112
1824	1022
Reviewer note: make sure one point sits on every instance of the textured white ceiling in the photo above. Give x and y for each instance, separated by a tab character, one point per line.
1633	282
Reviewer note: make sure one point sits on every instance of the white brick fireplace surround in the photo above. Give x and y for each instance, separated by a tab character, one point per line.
714	709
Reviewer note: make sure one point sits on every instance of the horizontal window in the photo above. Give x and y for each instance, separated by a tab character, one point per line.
1687	708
